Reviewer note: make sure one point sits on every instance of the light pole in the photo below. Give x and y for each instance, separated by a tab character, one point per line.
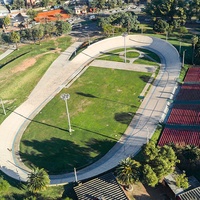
4	111
183	62
124	35
88	39
65	97
147	134
179	47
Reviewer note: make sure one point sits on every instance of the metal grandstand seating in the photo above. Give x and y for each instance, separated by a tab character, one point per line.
180	136
187	114
193	75
189	92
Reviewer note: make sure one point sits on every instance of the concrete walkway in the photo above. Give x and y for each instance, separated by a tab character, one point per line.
123	66
6	53
152	110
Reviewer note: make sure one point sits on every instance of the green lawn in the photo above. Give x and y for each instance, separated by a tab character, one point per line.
145	61
21	70
132	54
18	191
101	107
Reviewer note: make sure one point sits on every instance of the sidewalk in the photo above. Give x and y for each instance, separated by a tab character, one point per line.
62	72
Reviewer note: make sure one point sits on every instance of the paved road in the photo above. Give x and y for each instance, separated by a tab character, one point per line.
152	110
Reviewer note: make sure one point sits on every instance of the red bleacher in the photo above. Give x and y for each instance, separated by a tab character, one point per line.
180	137
189	92
186	114
193	75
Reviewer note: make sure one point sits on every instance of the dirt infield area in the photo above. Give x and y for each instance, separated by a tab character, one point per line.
51	15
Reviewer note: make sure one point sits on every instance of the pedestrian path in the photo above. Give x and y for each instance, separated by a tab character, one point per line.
6	53
61	72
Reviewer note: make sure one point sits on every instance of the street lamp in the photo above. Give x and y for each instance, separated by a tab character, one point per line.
124	35
183	62
4	111
65	97
88	39
179	47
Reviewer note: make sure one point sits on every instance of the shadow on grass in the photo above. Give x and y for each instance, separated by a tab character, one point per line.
109	53
93	96
145	78
69	191
2	65
45	124
100	146
124	117
14	183
94	132
55	155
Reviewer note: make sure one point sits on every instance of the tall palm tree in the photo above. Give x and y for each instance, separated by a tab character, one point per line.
38	180
128	172
194	42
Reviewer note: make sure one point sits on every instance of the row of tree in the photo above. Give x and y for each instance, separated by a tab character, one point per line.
37	32
171	10
119	22
157	163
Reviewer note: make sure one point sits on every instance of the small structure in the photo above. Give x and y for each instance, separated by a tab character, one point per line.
102	187
180	193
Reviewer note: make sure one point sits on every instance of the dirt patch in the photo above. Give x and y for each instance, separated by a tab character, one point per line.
144	192
24	65
139	192
31	61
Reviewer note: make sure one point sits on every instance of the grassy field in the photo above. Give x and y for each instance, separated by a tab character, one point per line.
130	54
18	191
21	70
101	106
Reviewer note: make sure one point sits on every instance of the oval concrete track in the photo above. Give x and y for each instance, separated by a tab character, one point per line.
62	71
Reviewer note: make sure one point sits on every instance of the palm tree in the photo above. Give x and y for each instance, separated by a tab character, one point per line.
38	180
15	37
128	172
194	42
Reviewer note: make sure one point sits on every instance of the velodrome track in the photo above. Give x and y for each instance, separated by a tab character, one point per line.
152	110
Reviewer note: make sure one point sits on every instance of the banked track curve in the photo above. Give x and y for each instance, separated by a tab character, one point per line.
152	110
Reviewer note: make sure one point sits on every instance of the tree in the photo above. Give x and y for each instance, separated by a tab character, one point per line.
160	26
182	181
194	42
128	172
149	176
31	13
38	180
6	21
162	160
167	9
18	4
40	33
62	27
150	151
100	4
4	185
15	37
125	21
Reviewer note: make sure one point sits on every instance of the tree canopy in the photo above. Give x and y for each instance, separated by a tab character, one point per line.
125	22
158	162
